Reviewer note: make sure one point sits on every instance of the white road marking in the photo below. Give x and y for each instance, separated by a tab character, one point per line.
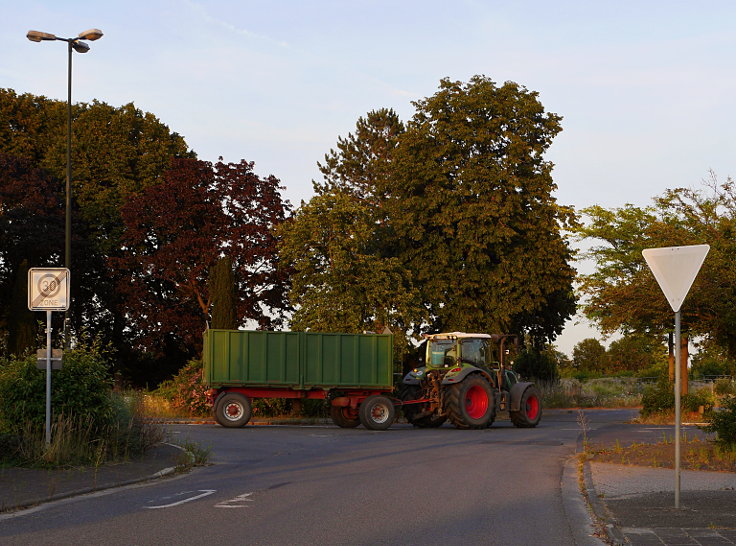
237	502
202	493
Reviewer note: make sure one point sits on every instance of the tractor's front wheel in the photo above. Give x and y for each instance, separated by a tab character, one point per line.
530	409
470	404
377	412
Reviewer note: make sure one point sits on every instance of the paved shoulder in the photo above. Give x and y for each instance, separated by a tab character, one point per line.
23	487
639	505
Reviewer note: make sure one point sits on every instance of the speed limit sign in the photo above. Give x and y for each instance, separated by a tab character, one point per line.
48	289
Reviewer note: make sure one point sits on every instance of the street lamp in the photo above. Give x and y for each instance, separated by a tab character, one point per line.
79	45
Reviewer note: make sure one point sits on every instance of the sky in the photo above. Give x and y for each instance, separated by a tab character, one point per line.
645	89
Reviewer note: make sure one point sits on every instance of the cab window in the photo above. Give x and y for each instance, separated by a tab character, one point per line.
476	352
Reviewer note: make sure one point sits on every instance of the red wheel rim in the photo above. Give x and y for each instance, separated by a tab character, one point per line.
233	411
532	407
476	402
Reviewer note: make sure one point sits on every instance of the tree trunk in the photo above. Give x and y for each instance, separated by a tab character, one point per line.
684	356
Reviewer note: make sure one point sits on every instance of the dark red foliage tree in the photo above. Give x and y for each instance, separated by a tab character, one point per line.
31	235
176	230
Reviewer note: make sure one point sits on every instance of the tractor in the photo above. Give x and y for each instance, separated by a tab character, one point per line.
465	379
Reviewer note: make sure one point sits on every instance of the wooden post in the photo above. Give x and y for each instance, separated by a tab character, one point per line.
671	358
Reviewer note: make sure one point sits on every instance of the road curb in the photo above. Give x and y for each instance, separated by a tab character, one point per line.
575	507
600	510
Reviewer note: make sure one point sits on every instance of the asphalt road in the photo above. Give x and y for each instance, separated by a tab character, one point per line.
326	485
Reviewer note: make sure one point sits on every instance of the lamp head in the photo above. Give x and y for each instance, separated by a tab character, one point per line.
37	36
80	47
91	34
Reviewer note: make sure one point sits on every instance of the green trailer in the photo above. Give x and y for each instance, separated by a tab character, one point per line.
353	371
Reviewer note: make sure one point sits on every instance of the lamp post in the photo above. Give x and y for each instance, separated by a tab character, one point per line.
79	45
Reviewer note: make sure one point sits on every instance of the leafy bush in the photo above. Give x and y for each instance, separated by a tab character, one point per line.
724	387
693	401
658	398
186	391
81	441
80	390
90	423
723	423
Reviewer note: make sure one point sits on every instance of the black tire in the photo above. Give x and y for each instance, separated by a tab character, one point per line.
412	392
377	412
470	404
530	409
233	410
344	417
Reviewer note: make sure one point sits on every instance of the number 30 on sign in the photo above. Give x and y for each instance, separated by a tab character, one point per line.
48	289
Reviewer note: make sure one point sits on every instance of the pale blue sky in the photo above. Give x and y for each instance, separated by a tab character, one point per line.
645	88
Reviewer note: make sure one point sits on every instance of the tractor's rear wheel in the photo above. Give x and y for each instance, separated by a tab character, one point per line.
530	409
470	404
377	412
413	392
345	417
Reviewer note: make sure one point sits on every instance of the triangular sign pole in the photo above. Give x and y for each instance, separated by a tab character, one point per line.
675	269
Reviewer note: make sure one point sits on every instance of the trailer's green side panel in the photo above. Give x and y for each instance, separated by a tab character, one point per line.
234	357
297	360
348	360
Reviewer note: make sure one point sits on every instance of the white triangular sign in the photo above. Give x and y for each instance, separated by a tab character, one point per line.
675	268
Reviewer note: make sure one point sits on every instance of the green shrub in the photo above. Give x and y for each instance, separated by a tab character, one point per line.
90	423
186	391
724	387
723	423
81	389
658	398
692	401
82	441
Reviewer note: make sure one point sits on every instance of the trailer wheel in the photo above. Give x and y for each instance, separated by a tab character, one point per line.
233	410
470	403
344	417
377	412
530	409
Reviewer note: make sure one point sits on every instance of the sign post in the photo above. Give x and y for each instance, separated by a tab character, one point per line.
48	290
675	269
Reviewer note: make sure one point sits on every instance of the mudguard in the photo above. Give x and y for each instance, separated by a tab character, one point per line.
516	391
414	378
465	372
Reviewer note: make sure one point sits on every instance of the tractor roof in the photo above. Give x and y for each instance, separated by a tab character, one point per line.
457	335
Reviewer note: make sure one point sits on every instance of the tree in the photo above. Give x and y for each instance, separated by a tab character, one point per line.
117	151
589	355
535	364
447	223
339	282
345	275
221	286
622	294
31	235
176	231
472	208
361	165
635	353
